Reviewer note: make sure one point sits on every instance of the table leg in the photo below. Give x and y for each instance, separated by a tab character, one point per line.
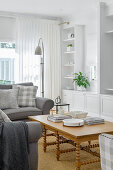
56	109
78	163
89	142
68	108
44	136
57	147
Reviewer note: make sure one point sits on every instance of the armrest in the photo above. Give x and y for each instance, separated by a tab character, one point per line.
35	131
44	104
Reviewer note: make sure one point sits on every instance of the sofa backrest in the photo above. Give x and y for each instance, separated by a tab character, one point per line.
4	86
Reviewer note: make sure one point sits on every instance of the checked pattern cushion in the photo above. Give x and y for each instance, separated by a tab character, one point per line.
26	95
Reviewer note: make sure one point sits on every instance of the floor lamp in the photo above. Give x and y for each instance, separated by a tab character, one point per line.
40	51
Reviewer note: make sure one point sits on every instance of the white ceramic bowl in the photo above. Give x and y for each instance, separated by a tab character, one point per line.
78	114
73	122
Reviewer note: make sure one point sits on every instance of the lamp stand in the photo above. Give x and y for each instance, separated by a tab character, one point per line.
40	51
42	71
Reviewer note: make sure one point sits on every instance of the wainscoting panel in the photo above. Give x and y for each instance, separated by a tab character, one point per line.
95	104
92	104
107	107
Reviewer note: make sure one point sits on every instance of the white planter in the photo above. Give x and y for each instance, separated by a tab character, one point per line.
69	48
81	88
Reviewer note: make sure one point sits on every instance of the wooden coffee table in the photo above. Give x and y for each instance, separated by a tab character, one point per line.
75	136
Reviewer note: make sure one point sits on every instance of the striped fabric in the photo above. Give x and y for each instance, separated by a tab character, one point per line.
27	95
106	151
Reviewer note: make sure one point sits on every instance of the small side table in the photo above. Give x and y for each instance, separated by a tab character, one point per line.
61	104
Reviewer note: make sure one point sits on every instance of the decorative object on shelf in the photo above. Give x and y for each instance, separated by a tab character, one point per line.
40	51
73	122
81	88
69	36
69	47
72	35
93	73
58	100
81	81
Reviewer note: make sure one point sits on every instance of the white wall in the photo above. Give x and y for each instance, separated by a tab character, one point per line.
7	28
91	52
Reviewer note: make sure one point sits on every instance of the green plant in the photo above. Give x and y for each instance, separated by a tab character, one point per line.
81	80
69	45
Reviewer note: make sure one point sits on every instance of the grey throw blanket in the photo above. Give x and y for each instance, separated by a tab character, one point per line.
14	146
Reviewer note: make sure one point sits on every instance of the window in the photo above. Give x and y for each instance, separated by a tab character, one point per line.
7	62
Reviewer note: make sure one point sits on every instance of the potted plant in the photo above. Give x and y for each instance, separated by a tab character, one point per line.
81	81
69	47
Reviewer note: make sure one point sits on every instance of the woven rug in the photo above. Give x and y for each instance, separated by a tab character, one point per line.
47	161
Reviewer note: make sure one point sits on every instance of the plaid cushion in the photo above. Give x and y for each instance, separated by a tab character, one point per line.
106	151
27	95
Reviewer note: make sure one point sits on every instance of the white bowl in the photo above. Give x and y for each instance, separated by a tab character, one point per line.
78	114
73	122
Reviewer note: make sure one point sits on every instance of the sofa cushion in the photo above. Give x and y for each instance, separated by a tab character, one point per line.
22	113
4	117
8	98
27	95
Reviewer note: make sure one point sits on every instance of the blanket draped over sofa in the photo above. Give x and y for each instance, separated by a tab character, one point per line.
14	146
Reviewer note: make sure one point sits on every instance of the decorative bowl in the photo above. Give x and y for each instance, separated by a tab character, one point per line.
78	114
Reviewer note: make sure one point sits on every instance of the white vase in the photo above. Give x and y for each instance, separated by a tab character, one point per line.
81	88
69	48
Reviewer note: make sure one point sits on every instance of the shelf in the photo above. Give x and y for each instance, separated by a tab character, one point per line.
71	89
110	89
71	39
68	77
68	65
108	32
69	52
68	28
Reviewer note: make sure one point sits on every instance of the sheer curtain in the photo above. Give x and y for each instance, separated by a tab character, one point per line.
29	30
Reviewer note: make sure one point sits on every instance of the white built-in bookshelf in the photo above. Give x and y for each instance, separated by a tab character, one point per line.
71	57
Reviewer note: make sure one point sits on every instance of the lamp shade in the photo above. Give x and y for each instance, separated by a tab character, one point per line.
38	50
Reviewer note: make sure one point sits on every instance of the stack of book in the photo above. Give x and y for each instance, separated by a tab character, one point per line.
58	117
93	120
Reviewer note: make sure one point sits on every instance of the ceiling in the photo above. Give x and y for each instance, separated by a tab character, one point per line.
53	8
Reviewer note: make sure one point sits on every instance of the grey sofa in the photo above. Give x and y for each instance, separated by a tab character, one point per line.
43	106
35	132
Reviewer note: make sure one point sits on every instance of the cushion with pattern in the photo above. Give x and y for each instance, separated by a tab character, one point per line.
26	95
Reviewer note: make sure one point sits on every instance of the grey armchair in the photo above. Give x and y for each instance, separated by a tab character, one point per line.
106	151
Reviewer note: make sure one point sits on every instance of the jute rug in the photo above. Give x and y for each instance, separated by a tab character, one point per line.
47	161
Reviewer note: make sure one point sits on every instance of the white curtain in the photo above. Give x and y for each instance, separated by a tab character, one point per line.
29	30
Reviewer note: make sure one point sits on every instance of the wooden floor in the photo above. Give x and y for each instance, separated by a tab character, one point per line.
47	161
